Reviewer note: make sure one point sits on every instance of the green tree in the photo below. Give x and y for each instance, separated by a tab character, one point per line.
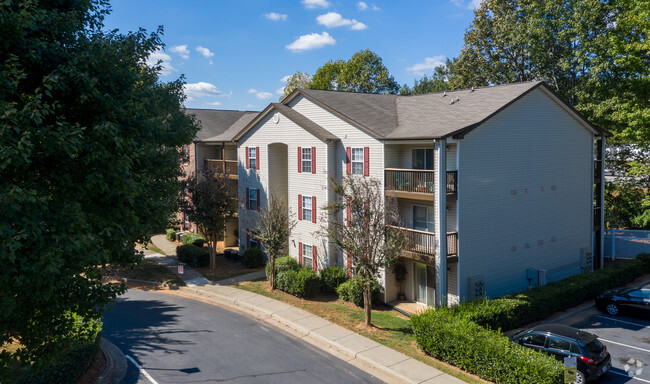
368	237
89	163
439	81
297	80
212	199
274	224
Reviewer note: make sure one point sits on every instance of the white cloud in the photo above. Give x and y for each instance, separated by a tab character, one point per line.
264	95
311	41
474	4
204	51
471	4
201	89
279	91
214	103
333	20
285	79
276	16
251	106
362	6
375	8
427	67
252	90
159	56
181	50
311	4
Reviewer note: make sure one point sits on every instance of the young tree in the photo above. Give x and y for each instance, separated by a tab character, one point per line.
275	225
88	166
297	80
366	235
211	201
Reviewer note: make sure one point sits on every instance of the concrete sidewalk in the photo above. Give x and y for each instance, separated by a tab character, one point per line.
385	363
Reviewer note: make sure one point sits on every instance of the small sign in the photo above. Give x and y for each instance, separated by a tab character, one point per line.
180	269
570	369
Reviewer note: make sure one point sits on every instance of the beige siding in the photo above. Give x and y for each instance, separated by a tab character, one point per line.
525	195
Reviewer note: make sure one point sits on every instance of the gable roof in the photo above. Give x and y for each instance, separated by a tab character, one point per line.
215	122
234	129
292	115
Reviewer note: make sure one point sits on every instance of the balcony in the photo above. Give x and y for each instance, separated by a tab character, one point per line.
416	183
228	166
421	245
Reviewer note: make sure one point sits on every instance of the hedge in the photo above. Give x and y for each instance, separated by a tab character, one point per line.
515	310
486	353
302	283
191	238
352	290
170	234
193	256
282	264
331	278
253	257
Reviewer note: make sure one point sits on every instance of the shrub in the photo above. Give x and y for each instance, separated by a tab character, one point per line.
331	278
193	256
481	351
190	238
282	264
352	290
253	257
302	283
170	234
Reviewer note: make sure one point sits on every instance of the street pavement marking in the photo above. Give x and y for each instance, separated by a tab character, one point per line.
625	345
148	376
631	377
623	321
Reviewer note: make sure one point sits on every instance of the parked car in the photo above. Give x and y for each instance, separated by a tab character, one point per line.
562	341
632	300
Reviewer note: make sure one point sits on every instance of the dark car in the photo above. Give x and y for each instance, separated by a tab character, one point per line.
562	341
631	300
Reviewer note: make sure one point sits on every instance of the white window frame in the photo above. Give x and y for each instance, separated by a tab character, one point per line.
305	159
185	160
252	201
307	255
305	209
252	157
357	160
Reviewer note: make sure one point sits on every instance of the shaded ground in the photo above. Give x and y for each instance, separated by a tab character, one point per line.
146	270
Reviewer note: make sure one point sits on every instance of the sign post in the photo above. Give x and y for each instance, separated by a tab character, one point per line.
180	269
570	369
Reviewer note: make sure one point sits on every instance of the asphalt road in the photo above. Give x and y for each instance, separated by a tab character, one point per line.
627	340
179	340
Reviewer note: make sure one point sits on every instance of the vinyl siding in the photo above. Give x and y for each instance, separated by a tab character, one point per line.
525	195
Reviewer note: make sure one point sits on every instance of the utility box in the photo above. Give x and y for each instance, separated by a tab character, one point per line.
542	275
532	275
586	259
476	287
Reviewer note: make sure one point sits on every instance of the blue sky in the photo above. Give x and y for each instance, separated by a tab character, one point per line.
235	54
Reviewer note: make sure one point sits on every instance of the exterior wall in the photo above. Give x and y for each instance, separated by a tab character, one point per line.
525	195
206	151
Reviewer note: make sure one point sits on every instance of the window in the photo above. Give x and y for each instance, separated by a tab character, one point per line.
306	208
534	340
186	193
307	256
556	343
357	161
185	156
252	199
252	158
186	222
306	160
422	158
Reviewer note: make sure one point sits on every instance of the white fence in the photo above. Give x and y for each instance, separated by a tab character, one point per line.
626	244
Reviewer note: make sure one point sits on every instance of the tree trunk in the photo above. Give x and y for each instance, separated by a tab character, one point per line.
213	256
272	269
367	302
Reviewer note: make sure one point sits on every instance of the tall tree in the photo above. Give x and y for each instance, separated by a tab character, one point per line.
210	200
366	236
88	166
274	224
439	81
297	80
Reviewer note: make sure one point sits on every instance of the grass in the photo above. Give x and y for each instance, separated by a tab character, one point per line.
390	328
152	247
146	270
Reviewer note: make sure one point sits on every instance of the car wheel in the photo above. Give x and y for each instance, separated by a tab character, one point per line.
612	309
580	378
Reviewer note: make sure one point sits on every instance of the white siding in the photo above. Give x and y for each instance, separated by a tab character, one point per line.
525	195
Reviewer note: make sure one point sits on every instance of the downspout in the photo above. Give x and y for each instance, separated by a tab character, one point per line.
441	223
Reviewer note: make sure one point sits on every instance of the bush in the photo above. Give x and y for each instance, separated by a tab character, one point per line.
302	283
467	345
518	309
253	257
193	256
282	264
352	290
170	234
191	238
331	278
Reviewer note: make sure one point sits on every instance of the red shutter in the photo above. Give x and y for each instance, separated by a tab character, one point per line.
299	159
247	198
299	207
313	209
348	160
313	159
348	214
258	199
349	266
247	159
314	258
257	158
366	161
300	253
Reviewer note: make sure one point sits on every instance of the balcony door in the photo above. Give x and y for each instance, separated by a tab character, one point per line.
422	158
423	218
425	280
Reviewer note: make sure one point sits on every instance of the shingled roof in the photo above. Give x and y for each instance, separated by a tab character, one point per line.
215	122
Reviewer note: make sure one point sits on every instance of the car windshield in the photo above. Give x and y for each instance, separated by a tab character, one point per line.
594	347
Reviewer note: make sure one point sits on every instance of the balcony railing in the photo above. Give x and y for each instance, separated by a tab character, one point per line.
417	180
424	243
228	166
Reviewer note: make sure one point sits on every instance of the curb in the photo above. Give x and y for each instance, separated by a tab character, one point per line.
115	364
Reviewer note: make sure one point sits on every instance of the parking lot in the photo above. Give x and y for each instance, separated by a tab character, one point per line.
627	340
